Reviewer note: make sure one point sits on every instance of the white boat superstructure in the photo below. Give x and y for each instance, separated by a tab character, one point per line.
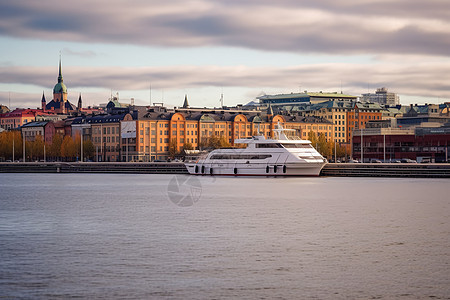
281	156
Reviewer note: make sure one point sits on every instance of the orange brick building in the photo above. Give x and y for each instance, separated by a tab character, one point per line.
151	136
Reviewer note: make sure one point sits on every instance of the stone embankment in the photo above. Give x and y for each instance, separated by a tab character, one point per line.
331	169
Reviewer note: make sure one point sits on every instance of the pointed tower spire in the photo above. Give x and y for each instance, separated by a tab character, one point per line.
79	103
60	78
43	102
186	103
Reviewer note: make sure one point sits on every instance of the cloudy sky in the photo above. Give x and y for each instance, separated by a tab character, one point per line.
158	51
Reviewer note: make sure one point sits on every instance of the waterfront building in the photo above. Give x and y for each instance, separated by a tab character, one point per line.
393	144
382	97
18	117
105	132
334	111
420	115
346	116
320	97
82	127
360	115
294	99
43	129
279	99
160	133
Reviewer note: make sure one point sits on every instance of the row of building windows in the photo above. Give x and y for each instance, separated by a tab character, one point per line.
106	139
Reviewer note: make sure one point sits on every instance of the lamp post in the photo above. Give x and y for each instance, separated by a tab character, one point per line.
81	142
14	134
335	153
362	147
23	135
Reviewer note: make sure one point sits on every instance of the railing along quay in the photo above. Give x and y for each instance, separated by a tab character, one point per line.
104	167
387	170
331	169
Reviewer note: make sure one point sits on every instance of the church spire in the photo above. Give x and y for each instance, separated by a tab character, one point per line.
185	104
43	102
79	103
60	78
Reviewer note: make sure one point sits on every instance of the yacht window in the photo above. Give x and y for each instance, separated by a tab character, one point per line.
271	145
297	146
240	156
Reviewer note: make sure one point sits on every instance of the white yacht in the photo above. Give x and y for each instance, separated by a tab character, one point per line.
281	156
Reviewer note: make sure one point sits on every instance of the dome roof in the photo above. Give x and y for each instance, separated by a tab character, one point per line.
60	87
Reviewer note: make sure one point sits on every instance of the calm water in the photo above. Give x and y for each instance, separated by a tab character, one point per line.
123	236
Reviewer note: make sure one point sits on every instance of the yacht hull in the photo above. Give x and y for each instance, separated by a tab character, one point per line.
255	169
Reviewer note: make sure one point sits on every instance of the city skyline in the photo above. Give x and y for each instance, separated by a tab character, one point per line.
159	52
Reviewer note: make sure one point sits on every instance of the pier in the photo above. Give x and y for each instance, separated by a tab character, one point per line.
387	170
331	169
94	167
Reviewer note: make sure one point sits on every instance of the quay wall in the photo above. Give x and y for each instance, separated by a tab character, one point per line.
331	169
387	170
92	167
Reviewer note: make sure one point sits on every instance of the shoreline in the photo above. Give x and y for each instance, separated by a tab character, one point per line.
429	170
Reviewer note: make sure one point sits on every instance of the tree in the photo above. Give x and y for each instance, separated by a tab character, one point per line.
213	142
173	148
312	137
323	146
55	147
88	149
203	143
223	142
8	141
77	146
37	147
68	150
188	146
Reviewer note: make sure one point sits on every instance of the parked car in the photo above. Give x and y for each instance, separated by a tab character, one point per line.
396	161
374	160
353	161
408	161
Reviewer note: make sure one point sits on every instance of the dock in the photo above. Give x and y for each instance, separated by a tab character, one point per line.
387	170
94	167
431	170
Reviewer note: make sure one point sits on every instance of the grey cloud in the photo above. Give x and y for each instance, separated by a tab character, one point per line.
264	25
424	79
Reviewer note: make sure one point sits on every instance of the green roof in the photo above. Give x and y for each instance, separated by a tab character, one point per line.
60	87
331	95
